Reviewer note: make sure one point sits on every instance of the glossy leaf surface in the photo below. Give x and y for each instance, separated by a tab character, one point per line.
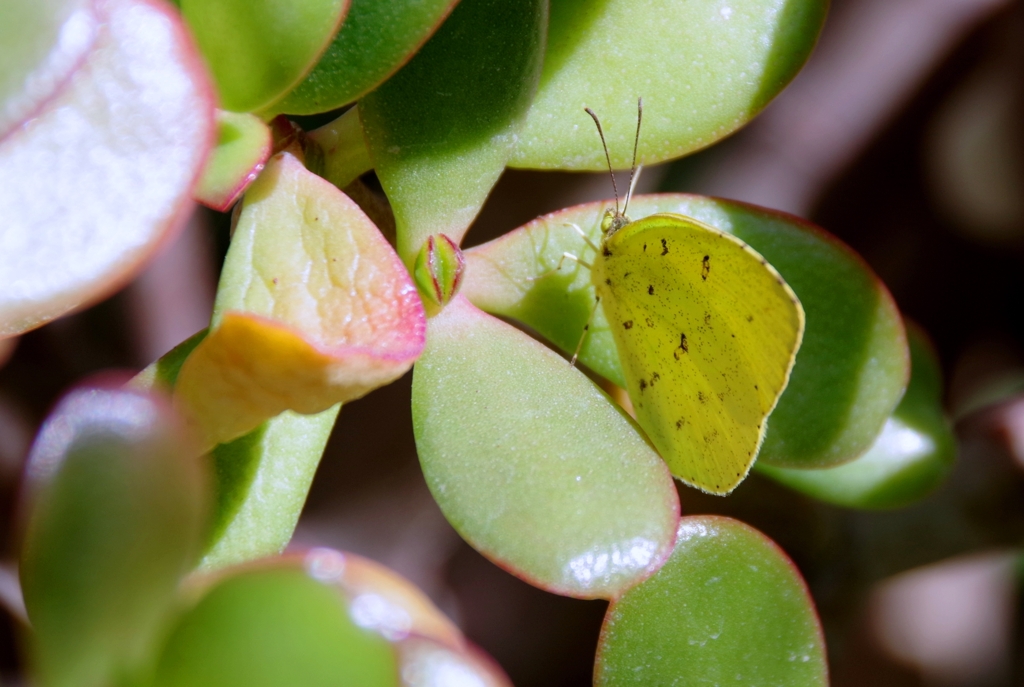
101	177
533	464
118	504
728	608
428	663
314	309
42	43
852	366
243	146
441	130
258	50
261	480
911	456
379	598
703	69
270	626
340	149
377	38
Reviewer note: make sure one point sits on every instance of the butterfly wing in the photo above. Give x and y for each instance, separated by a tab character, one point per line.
707	332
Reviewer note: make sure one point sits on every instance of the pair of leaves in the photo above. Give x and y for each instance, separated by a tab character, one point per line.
117	511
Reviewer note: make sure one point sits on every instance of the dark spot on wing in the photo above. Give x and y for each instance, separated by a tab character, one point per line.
608	281
650	322
707	318
683	346
605	252
750	318
721	395
755	386
643	385
626	274
705	269
628	324
645	247
650	289
654	378
680	422
664	247
701	397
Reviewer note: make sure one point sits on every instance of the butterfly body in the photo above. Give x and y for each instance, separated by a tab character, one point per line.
707	332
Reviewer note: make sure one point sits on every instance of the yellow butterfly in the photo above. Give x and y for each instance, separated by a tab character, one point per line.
706	330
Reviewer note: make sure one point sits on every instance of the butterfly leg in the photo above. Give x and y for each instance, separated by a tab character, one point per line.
586	328
583	235
561	260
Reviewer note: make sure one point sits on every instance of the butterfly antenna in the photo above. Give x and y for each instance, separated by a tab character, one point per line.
633	171
607	157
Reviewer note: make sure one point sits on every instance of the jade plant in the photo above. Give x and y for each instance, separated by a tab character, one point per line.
156	509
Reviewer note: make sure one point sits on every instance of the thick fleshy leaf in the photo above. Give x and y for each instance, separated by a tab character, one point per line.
258	50
243	146
728	608
429	663
337	150
380	599
273	625
441	130
314	309
118	503
42	43
852	366
377	38
703	69
261	480
92	185
533	464
911	456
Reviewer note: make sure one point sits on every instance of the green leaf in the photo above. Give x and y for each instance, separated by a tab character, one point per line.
533	464
728	608
243	146
258	50
377	38
270	627
261	480
118	505
912	455
441	130
851	369
703	69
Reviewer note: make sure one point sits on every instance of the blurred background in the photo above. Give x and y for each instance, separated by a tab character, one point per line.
903	136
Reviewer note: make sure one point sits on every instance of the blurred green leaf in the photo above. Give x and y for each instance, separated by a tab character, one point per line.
441	130
273	627
260	480
703	69
911	456
536	467
727	608
850	371
377	38
258	50
243	146
118	504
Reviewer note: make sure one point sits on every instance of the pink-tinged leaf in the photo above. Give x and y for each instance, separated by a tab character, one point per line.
116	508
270	624
95	183
314	308
533	464
727	608
380	599
243	146
42	43
429	663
